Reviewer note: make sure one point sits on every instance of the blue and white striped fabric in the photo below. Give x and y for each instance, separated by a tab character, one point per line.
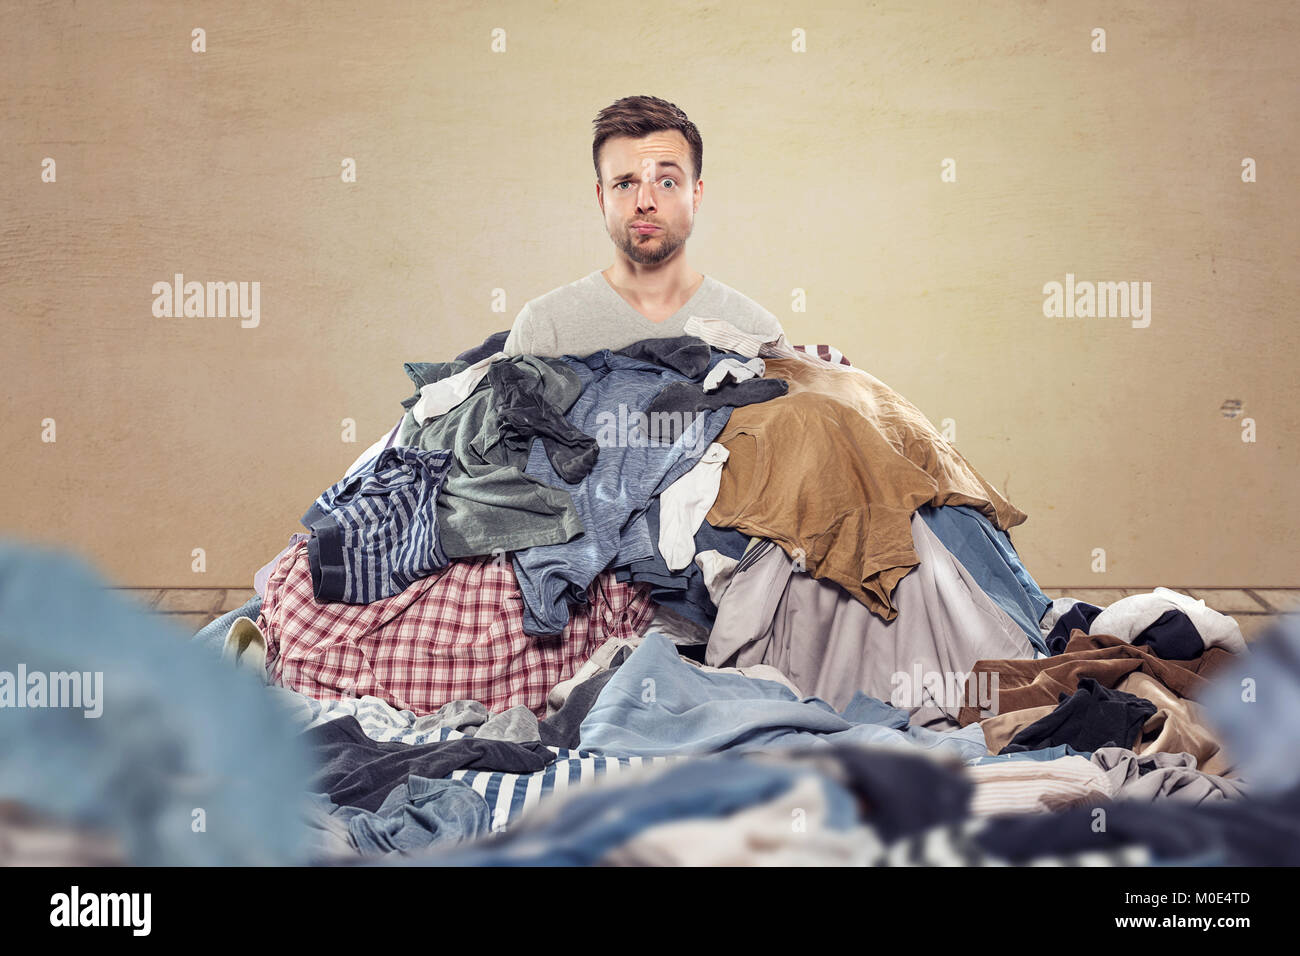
375	532
510	795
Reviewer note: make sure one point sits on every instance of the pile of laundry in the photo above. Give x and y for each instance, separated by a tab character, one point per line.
717	600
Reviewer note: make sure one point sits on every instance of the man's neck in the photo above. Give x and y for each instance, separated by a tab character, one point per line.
654	293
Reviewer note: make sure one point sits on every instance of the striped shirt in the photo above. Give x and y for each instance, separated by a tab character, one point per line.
374	533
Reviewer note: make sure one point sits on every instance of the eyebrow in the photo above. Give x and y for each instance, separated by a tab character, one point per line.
666	164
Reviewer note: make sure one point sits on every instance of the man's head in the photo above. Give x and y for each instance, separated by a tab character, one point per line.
648	157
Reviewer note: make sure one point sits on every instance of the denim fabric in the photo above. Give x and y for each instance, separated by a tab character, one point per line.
986	552
657	704
177	730
622	482
420	813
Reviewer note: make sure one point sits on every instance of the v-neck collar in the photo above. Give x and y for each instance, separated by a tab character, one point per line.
628	308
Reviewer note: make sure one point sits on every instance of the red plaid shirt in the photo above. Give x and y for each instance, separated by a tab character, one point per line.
455	635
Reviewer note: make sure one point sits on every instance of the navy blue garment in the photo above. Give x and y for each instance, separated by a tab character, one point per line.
635	463
687	397
682	591
356	771
491	345
985	551
1092	717
1080	616
692	357
1172	636
375	533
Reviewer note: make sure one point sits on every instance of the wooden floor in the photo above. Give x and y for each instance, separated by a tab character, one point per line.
191	608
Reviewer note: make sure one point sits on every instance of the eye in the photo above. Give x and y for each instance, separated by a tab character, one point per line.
670	180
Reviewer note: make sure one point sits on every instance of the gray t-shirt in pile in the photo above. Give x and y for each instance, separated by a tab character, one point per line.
588	315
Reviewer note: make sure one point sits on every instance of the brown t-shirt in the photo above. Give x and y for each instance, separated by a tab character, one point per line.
834	471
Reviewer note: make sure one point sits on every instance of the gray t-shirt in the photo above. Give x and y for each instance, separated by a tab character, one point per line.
588	315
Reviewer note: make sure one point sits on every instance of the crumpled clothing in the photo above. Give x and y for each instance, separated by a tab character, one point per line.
525	414
733	370
1163	776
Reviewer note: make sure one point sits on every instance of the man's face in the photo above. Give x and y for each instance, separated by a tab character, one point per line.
648	180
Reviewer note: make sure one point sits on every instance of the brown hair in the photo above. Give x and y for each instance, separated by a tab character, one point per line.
637	116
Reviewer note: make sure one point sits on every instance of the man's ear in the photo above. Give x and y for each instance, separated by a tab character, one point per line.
600	199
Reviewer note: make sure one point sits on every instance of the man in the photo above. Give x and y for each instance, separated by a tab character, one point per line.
647	153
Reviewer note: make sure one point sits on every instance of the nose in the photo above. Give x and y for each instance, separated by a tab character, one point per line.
645	197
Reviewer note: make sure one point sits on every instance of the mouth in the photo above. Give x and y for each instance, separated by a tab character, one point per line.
645	230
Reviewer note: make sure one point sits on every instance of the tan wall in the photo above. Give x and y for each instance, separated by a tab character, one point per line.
822	174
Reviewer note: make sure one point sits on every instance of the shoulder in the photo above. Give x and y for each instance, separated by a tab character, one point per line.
534	329
563	299
742	311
